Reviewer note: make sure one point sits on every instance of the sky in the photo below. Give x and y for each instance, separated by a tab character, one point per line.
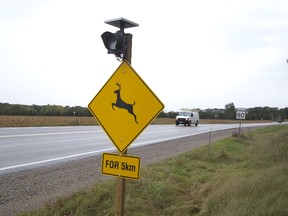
192	54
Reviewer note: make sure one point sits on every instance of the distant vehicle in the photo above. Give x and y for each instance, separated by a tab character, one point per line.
187	117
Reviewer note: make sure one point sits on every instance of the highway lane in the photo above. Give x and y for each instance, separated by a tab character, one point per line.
28	147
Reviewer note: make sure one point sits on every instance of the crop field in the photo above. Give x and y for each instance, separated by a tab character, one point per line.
35	121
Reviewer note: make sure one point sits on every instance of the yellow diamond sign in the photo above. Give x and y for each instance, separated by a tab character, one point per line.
125	106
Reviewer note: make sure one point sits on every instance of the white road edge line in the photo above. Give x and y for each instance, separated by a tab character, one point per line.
55	159
48	134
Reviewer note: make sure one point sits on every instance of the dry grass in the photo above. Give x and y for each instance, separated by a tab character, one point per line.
34	121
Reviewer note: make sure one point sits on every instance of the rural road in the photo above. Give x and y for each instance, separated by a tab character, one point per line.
30	183
30	147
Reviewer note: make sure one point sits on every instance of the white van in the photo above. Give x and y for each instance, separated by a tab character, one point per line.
187	117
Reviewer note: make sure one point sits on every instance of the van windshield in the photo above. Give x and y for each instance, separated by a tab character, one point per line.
184	113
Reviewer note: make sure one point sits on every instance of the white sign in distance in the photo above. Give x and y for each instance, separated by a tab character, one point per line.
240	114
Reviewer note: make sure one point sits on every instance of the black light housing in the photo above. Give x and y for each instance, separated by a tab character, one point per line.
119	43
114	42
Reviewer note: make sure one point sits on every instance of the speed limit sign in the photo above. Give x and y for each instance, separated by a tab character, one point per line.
240	114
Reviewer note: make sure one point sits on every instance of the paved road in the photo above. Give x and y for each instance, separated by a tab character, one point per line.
28	147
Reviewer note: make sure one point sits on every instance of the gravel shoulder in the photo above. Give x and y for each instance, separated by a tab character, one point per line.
31	189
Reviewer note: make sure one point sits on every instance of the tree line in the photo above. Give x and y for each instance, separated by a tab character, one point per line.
255	113
229	112
43	110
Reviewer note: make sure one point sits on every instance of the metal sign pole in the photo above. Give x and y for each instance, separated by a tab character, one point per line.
240	128
121	182
209	153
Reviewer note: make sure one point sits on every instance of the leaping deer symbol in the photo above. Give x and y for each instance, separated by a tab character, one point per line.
122	104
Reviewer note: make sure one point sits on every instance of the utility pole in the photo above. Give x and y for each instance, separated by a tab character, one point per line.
119	44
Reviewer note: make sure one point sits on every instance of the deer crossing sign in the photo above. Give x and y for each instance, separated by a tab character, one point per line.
125	106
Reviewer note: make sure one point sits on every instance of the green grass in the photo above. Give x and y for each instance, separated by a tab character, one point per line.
241	176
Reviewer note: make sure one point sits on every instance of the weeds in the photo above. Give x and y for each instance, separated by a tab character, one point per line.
280	144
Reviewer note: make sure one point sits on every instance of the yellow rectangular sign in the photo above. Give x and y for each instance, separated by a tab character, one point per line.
122	166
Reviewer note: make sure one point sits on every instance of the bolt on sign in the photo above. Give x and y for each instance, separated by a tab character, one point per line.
125	106
121	165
